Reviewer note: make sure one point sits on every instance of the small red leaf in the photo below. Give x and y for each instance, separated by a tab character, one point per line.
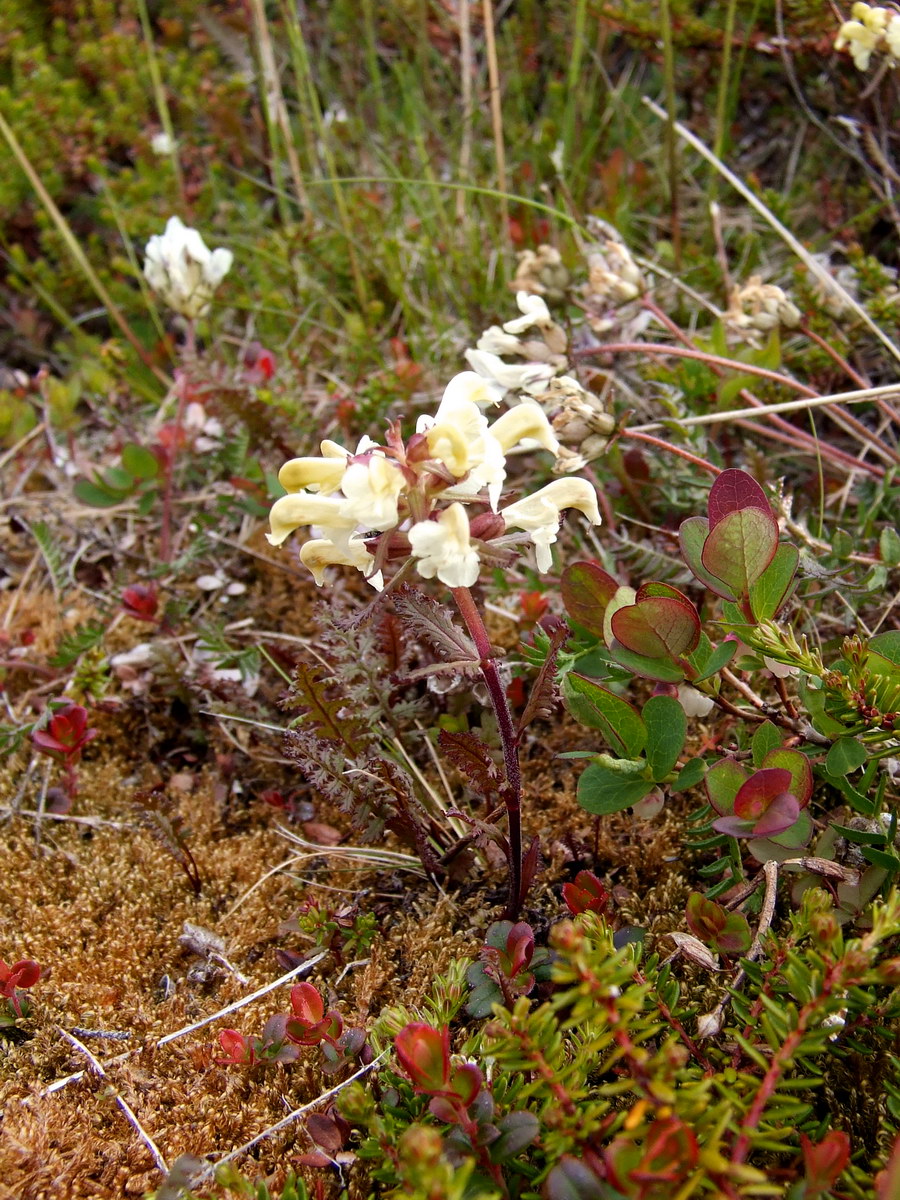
733	491
585	894
658	626
424	1054
760	791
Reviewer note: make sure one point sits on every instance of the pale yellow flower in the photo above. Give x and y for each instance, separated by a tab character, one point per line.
443	548
539	513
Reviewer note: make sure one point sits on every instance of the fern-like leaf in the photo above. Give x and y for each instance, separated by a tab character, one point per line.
543	695
427	619
473	760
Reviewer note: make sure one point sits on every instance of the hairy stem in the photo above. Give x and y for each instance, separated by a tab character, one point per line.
512	792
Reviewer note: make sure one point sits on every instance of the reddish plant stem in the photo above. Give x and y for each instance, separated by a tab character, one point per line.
798	437
512	793
711	360
663	445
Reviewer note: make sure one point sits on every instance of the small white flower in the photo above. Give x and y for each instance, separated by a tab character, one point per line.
505	377
534	312
539	513
779	669
183	271
892	36
162	144
443	548
209	583
694	703
495	341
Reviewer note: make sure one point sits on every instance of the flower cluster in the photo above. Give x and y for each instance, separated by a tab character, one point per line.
756	307
183	271
408	498
870	29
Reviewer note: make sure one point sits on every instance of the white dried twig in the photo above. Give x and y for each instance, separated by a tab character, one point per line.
97	1068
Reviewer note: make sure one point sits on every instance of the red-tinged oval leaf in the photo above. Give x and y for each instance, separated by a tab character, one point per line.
25	973
424	1054
733	826
824	1162
724	780
740	548
779	816
654	588
735	491
771	590
585	894
800	770
692	536
519	948
465	1082
759	791
658	627
586	590
704	917
734	937
306	1003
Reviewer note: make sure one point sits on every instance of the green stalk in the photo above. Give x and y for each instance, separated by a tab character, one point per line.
722	95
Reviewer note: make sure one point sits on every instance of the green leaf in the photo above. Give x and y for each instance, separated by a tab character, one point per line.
889	546
769	592
599	708
659	669
689	775
94	496
117	480
861	837
692	536
800	771
666	727
883	653
765	738
740	547
715	660
887	862
842	544
845	756
724	780
139	461
602	791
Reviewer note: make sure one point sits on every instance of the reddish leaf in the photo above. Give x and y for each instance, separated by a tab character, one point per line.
824	1162
543	696
306	1003
658	626
466	1082
424	1054
760	791
585	894
519	949
141	601
724	932
733	491
325	1133
779	816
472	759
740	547
586	590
